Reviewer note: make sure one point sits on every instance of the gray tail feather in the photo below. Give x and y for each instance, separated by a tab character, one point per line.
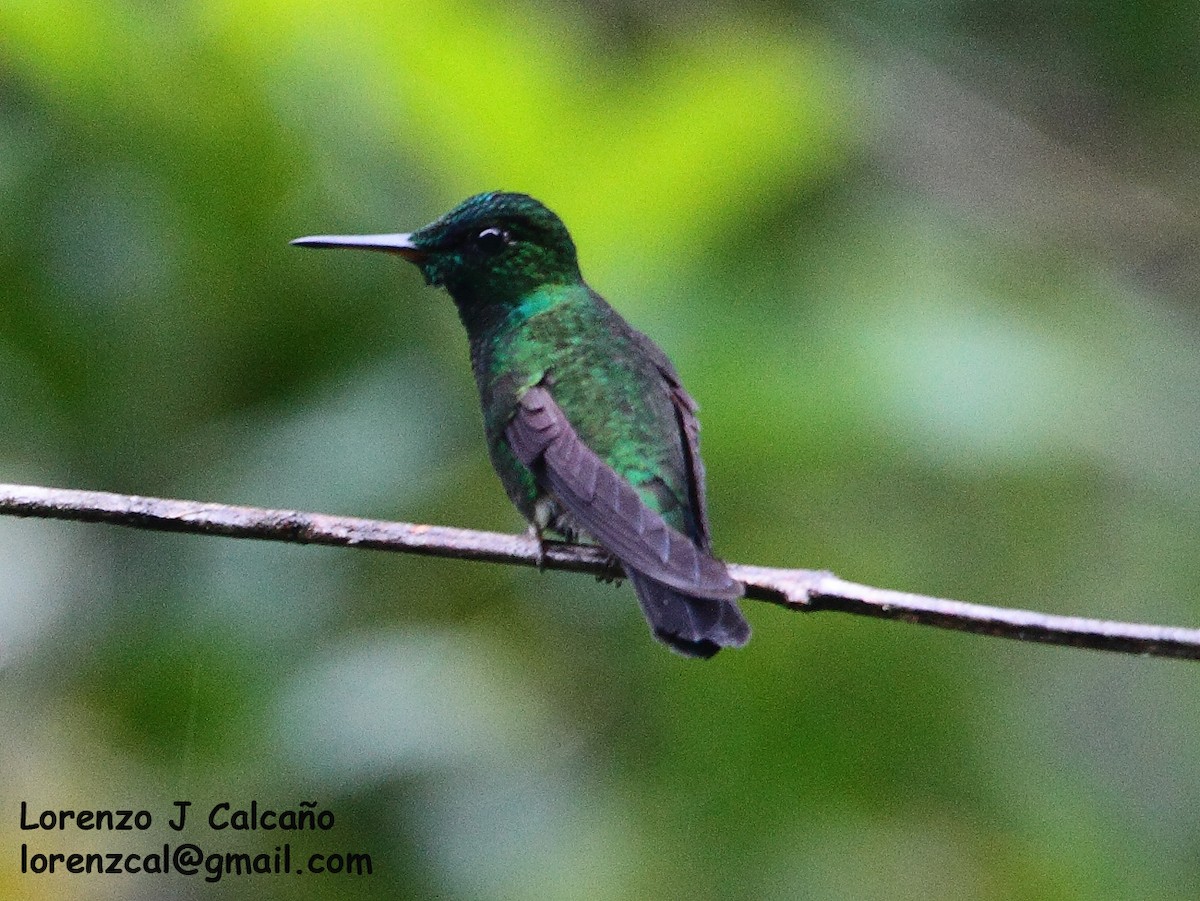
695	627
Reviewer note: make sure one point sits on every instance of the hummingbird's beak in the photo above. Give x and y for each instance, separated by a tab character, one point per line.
398	244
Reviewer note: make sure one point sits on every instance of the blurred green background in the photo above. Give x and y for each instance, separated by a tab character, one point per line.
930	270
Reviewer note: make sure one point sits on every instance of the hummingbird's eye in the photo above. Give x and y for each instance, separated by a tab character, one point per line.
492	240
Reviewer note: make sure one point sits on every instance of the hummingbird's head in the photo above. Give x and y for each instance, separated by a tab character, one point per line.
491	249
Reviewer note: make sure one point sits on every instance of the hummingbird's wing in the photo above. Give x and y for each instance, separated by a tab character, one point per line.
606	506
689	431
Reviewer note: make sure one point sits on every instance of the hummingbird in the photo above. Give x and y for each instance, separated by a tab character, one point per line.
587	423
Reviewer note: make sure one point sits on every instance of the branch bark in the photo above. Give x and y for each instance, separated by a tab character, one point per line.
796	589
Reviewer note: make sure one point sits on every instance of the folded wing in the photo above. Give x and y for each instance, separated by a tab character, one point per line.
606	506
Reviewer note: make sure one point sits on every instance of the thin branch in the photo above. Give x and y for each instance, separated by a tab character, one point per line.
797	589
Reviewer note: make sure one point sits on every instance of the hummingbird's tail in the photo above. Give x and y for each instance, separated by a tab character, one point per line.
695	627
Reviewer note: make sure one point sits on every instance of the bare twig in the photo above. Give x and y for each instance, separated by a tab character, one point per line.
796	589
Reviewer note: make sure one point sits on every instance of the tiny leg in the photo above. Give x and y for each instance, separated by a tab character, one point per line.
540	560
615	564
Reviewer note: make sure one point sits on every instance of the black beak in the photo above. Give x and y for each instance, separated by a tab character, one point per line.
401	244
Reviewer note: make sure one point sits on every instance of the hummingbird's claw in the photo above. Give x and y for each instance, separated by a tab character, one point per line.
612	563
539	559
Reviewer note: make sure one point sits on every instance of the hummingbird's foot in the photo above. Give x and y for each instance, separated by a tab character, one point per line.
612	563
539	560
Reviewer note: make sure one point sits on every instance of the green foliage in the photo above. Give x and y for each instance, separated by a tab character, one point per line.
944	339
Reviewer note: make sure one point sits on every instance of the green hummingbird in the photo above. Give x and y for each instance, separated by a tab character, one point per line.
588	425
